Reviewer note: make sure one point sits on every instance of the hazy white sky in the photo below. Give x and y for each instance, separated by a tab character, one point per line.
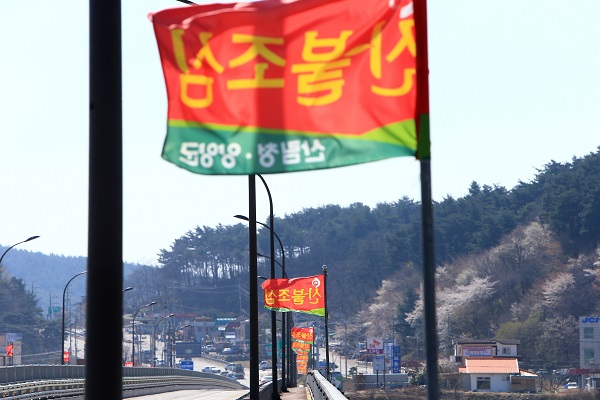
513	85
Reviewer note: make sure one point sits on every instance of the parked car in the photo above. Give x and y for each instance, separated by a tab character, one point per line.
264	365
227	350
337	379
238	371
207	368
572	385
230	366
332	365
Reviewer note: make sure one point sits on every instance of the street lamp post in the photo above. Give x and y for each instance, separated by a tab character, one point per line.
272	236
62	353
275	392
154	337
133	330
6	251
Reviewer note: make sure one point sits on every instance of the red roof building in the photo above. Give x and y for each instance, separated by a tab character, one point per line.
491	365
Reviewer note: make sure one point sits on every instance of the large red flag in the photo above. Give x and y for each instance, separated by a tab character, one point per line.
296	294
289	85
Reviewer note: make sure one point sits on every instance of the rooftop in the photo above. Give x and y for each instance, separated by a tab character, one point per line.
490	366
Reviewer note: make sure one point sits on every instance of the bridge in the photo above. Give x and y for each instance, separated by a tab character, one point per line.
62	381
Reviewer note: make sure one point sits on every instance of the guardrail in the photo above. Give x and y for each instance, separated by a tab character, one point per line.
45	381
265	391
321	388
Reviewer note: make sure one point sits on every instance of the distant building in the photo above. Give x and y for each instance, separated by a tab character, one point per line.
490	348
588	373
490	365
589	342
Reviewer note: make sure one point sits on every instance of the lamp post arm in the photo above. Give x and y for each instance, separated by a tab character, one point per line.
280	244
265	256
6	251
154	337
244	218
268	194
133	330
282	254
62	354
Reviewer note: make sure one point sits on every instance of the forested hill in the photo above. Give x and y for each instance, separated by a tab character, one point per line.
524	254
363	245
46	275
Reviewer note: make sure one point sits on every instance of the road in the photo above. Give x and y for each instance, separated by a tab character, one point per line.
195	395
199	363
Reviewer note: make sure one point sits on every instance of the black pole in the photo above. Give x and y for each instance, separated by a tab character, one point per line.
275	391
103	373
285	341
429	282
291	370
253	280
283	355
327	373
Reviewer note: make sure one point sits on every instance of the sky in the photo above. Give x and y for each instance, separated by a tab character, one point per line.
513	85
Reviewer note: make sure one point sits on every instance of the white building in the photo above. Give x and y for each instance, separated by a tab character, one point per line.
491	365
493	348
589	342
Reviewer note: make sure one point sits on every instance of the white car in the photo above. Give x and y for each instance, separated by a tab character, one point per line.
208	368
229	367
209	348
572	385
264	365
216	370
265	379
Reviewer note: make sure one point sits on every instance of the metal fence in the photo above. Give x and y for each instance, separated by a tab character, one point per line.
40	381
321	388
25	373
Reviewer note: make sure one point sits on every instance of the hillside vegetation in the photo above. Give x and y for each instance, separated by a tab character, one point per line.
519	263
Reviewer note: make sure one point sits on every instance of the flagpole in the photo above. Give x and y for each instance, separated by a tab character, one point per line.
424	156
429	282
327	374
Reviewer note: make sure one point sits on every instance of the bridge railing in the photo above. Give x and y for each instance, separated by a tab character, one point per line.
25	373
29	381
321	388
